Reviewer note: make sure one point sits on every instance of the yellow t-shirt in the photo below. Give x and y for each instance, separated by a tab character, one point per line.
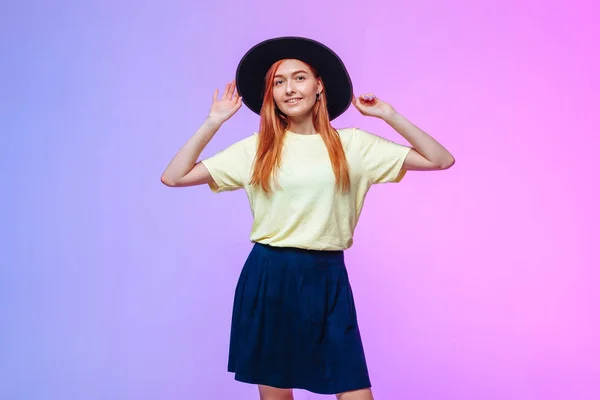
305	209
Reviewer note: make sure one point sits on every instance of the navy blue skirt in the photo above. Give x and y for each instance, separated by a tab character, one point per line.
294	322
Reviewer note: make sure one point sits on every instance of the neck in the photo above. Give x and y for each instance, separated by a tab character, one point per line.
302	126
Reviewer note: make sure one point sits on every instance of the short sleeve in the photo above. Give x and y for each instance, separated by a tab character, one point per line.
382	158
230	168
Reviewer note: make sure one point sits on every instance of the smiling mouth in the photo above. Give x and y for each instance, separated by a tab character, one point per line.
293	101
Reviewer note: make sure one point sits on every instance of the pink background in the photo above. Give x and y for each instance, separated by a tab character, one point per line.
480	282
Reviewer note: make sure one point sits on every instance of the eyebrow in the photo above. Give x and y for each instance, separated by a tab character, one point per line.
294	73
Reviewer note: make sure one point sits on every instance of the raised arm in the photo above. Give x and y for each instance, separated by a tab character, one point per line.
185	169
427	154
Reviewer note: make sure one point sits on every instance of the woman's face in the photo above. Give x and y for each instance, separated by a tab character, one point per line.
295	88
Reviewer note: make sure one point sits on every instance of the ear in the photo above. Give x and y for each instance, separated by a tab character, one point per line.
319	86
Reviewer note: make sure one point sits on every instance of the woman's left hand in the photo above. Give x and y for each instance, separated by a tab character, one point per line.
371	106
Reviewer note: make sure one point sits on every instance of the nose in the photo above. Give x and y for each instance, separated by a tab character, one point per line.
289	88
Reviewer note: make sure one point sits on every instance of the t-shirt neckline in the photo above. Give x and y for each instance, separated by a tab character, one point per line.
294	134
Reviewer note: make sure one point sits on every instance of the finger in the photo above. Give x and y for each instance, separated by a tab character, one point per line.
367	97
359	107
226	91
215	95
232	90
358	102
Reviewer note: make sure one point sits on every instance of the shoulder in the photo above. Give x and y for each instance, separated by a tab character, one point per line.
239	150
250	140
369	144
346	134
355	134
247	144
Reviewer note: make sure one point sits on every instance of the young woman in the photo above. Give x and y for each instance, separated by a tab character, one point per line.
294	322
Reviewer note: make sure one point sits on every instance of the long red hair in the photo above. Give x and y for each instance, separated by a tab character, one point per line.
273	125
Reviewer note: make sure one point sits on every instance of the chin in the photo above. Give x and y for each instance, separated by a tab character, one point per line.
297	112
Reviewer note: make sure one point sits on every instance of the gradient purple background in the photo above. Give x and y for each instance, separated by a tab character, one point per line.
480	282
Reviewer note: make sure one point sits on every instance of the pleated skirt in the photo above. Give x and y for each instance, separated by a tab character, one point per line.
294	322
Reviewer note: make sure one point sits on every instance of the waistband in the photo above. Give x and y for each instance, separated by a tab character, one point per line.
323	254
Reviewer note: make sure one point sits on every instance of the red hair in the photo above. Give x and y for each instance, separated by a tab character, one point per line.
273	125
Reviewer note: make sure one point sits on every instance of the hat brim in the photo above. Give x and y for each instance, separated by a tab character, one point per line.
254	65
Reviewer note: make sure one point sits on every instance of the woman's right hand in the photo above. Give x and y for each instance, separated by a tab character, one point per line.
222	109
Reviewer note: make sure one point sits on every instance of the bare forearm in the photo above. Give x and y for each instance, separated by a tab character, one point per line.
422	142
187	156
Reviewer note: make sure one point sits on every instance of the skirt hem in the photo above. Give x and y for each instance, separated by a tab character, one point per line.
256	381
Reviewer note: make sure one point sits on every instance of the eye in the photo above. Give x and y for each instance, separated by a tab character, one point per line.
301	77
277	82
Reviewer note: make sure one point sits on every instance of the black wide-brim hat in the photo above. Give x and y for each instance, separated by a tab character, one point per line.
254	65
